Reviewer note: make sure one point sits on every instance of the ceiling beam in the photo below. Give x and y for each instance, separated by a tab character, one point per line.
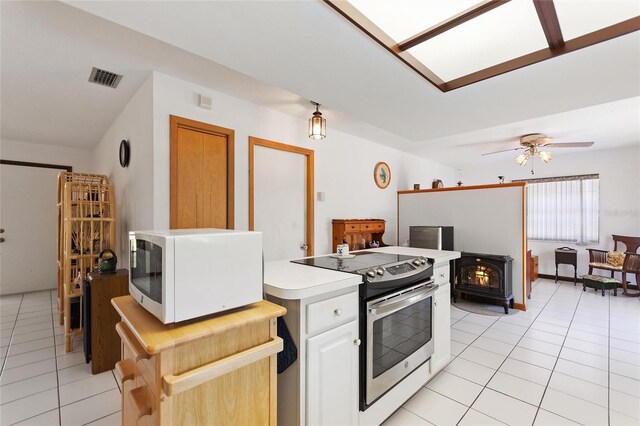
549	20
358	19
454	21
604	34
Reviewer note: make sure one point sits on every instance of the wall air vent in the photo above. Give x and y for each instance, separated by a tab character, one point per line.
104	78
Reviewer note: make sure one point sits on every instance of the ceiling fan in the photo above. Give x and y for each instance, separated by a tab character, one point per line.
533	144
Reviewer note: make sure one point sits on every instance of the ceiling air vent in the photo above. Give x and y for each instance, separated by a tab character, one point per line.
104	78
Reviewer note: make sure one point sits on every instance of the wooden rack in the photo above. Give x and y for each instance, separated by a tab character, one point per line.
86	226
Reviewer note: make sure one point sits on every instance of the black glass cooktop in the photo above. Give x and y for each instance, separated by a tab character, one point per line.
362	259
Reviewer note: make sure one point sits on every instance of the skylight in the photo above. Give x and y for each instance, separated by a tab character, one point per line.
471	46
453	43
401	19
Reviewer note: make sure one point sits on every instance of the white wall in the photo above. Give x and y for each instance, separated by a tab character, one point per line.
79	159
343	163
487	220
38	193
619	195
133	185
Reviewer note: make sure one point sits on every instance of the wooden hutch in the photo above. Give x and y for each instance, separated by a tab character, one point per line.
354	230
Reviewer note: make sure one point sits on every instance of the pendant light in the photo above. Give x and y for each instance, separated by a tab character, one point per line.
317	124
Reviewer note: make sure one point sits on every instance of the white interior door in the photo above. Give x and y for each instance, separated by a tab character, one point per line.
280	202
28	216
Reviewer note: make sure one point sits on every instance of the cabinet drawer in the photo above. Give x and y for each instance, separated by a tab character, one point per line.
332	312
143	404
147	367
352	227
377	226
441	275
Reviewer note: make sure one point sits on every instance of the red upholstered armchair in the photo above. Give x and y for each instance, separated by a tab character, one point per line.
598	259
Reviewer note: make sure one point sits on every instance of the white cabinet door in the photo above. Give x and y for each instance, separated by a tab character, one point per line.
332	377
442	328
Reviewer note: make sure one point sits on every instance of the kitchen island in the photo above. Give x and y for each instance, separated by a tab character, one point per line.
323	309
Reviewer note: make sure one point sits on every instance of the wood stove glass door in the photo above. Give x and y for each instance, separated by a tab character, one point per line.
483	276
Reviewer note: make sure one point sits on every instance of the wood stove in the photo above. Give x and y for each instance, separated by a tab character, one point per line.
485	275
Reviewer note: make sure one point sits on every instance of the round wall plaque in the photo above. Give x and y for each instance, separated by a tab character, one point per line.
382	175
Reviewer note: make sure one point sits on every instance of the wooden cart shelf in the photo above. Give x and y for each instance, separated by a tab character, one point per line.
214	370
86	227
94	219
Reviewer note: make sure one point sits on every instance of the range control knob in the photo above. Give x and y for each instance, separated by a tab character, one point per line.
416	262
423	261
380	271
371	273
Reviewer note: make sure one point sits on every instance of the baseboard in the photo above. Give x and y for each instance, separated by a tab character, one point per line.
520	306
560	278
579	280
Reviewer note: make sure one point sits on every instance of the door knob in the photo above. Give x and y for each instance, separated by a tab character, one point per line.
1	240
1	230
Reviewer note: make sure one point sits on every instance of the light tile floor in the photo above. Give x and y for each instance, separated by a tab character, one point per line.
40	384
572	358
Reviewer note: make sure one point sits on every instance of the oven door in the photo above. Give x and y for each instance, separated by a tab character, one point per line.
399	337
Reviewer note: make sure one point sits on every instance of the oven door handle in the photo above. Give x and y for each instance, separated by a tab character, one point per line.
389	306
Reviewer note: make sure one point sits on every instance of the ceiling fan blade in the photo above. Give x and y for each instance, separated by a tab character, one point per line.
504	150
569	144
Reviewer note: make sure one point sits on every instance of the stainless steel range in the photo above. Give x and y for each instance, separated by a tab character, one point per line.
396	316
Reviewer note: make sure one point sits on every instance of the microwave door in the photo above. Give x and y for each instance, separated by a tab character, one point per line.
147	269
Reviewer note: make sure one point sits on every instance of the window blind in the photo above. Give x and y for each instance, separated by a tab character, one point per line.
563	209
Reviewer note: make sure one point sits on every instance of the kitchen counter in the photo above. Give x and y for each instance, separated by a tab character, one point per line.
440	257
293	281
323	307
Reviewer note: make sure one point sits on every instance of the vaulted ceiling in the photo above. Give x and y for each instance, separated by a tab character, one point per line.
281	55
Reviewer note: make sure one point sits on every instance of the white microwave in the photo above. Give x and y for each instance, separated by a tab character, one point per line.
182	274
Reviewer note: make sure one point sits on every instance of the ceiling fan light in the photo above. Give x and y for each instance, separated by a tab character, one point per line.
545	156
522	159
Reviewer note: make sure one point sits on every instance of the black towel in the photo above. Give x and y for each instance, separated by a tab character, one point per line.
289	352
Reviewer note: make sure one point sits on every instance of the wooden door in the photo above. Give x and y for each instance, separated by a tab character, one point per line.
201	175
28	218
281	198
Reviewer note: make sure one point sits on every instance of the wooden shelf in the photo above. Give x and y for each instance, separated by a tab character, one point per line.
81	236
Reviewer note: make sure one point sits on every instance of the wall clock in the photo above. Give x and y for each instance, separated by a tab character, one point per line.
382	175
124	153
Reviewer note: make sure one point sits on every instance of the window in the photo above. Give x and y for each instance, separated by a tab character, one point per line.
563	209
